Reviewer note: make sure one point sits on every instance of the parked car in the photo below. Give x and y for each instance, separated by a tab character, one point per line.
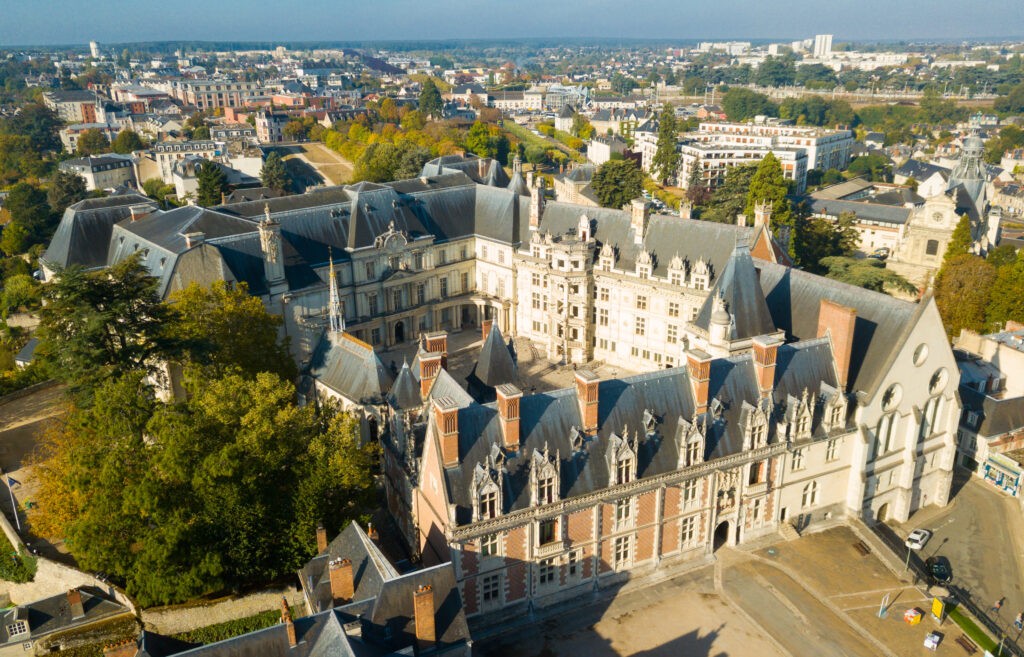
880	254
917	539
939	570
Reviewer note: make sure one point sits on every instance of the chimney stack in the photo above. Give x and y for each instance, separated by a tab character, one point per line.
194	239
641	213
766	350
698	363
762	213
741	219
75	602
321	538
485	328
430	367
343	586
838	322
423	609
537	205
481	167
286	618
685	210
586	395
446	415
508	410
438	343
372	534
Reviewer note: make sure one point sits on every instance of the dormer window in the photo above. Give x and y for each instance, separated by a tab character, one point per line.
546	490
624	471
693	453
489	505
836	416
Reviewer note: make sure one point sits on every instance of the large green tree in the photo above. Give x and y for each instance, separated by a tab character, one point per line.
31	220
617	182
274	174
127	141
962	290
213	184
741	104
223	329
1007	297
961	240
816	239
66	188
39	124
867	273
102	324
730	198
430	100
93	142
666	157
770	186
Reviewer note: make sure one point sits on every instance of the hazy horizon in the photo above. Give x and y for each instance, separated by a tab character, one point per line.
63	22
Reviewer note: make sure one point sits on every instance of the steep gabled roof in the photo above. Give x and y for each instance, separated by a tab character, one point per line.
494	366
351	368
405	393
744	300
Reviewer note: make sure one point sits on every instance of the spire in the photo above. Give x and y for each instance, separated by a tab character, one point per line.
334	302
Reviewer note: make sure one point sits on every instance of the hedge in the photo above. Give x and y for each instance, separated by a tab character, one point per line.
18	567
236	627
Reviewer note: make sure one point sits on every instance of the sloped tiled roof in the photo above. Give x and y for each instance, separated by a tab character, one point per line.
744	300
351	368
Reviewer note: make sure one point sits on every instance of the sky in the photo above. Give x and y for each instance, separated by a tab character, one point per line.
46	22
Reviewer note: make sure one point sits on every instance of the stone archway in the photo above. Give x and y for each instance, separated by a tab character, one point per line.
883	513
721	536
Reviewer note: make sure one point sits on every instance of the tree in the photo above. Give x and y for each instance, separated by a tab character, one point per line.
430	100
730	198
20	290
621	84
92	142
223	329
274	174
378	162
31	222
776	72
127	141
962	289
66	188
294	130
696	192
202	132
1012	102
742	104
1007	297
818	239
616	183
213	183
868	273
103	324
961	240
488	141
874	167
769	185
666	158
174	500
581	127
411	162
39	124
1004	254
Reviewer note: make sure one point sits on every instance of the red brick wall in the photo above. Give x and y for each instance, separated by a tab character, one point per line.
670	537
607	552
515	544
516	586
580	526
647	507
469	596
470	558
606	519
644	544
673	497
839	321
588	562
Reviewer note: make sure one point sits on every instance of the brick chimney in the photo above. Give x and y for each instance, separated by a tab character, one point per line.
430	367
766	350
75	602
193	239
372	534
343	586
741	220
438	343
446	416
762	213
685	210
321	538
838	322
640	215
537	205
586	395
126	648
481	167
286	618
508	410
485	328
698	363
423	606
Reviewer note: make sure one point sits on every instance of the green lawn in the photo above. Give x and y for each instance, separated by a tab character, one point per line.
971	629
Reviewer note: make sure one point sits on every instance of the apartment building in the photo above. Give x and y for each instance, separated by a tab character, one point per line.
108	171
714	154
166	154
73	106
214	94
826	149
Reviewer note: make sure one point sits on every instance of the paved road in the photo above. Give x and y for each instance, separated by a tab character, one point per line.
21	421
981	534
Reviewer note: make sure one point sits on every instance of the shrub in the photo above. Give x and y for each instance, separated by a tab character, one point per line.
18	567
236	627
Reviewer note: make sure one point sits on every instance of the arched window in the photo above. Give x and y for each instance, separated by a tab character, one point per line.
810	496
884	434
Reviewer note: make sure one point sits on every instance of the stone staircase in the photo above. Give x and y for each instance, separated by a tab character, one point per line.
788	531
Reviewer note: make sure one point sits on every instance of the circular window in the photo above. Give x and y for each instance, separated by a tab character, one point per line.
920	354
892	396
938	381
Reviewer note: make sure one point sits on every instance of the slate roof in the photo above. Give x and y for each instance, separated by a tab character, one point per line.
250	194
998	416
888	214
405	392
549	420
351	368
494	366
794	299
53	614
921	171
83	235
27	353
744	300
370	568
